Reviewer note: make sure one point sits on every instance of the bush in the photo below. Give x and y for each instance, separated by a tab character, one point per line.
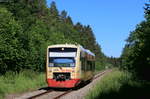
20	82
110	83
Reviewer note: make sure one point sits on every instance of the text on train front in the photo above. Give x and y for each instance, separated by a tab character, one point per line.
62	57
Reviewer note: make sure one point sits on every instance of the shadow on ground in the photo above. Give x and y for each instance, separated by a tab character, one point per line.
128	92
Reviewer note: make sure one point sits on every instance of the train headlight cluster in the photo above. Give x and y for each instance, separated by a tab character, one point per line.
51	64
72	64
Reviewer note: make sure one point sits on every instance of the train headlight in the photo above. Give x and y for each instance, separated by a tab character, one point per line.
51	64
73	71
50	70
72	65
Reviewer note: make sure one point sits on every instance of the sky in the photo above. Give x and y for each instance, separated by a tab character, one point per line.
111	20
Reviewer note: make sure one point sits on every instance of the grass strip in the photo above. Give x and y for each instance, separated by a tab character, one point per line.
27	80
120	85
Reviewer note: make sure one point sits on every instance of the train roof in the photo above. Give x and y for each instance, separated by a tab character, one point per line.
87	51
63	45
72	46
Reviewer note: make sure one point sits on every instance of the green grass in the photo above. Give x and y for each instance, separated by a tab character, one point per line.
119	85
24	81
101	66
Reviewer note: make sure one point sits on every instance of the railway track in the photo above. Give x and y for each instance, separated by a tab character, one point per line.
50	91
38	95
58	94
100	74
69	91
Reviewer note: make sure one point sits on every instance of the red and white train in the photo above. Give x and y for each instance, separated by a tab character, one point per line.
68	65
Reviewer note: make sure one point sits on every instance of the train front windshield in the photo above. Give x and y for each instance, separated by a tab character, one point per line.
62	62
62	57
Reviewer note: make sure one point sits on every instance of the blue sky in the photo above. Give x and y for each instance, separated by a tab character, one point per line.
111	20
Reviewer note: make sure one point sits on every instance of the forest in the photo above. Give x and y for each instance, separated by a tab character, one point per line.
27	27
136	53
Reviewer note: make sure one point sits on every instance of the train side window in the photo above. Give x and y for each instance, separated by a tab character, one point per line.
80	55
83	63
92	66
88	65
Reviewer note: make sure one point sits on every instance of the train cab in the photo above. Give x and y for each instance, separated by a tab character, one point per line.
64	66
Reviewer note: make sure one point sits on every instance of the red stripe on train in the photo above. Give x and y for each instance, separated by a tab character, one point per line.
63	84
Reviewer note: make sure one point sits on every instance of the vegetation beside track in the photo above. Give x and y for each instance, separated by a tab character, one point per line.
119	85
11	82
26	30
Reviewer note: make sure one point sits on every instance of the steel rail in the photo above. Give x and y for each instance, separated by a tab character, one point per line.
67	92
38	95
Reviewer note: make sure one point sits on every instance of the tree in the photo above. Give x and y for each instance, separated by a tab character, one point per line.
53	11
63	15
27	27
12	54
136	56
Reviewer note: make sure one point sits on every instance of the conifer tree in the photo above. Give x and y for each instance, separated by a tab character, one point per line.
53	11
